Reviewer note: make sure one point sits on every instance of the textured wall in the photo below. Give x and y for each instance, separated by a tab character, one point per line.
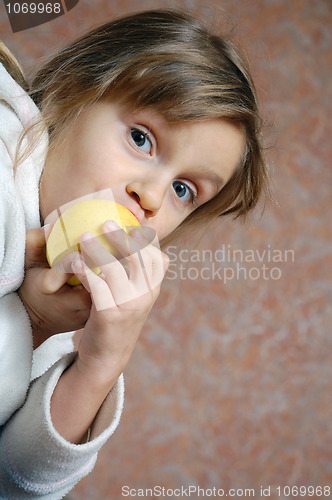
230	384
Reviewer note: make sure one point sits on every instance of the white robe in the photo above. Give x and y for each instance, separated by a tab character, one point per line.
35	461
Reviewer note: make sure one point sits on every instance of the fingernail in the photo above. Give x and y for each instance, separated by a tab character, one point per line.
137	234
77	265
87	237
111	225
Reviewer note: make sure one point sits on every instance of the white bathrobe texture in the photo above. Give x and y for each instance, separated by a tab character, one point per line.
35	461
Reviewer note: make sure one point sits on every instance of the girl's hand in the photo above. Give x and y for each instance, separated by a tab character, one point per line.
121	301
53	306
122	296
35	253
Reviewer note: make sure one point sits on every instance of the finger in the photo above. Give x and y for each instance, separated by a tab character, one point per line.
148	234
52	217
130	246
131	286
146	263
95	254
159	264
51	280
47	228
140	263
35	238
100	293
120	240
138	272
34	247
146	270
154	261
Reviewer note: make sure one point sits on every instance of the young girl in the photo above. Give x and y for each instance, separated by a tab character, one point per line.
164	114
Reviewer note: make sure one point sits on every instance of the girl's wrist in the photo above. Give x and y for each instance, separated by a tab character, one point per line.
98	375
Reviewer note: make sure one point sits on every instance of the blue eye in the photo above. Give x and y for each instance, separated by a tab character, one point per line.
183	192
141	140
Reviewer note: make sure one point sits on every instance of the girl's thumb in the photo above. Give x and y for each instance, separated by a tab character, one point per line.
54	278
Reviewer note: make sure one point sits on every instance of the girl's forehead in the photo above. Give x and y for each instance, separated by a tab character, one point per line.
201	124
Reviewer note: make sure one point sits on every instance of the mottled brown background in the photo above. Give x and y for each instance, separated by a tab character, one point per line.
230	384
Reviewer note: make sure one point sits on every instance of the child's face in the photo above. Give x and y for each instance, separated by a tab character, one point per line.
161	172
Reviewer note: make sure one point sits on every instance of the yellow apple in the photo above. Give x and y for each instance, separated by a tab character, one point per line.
83	216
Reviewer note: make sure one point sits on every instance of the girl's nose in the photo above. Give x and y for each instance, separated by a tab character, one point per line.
149	194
